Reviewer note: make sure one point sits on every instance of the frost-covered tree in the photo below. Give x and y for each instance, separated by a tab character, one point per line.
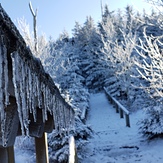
150	69
89	43
29	38
121	63
107	25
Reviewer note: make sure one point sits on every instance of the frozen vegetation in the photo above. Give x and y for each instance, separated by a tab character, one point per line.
123	53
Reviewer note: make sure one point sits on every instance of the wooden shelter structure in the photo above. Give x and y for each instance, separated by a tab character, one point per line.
30	103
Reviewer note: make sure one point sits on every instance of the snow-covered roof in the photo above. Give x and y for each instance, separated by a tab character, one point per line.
25	85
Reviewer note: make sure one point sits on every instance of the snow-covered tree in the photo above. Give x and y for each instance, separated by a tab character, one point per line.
150	69
29	38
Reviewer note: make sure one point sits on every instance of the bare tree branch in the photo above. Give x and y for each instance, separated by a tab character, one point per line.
34	14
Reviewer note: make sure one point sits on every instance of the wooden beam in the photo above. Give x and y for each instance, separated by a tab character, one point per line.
73	158
11	157
121	113
127	120
3	155
42	149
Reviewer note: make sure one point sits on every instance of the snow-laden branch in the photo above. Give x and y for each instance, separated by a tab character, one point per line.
150	64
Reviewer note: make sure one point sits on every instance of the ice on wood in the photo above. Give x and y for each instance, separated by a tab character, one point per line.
4	95
31	93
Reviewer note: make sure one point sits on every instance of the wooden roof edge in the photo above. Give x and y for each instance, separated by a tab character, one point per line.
36	63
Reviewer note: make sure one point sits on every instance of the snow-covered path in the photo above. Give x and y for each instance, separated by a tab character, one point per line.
112	141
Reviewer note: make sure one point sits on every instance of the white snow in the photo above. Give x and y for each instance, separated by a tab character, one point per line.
112	141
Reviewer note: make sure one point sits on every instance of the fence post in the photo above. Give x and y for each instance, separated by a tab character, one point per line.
73	158
127	120
42	149
10	151
117	108
3	155
121	113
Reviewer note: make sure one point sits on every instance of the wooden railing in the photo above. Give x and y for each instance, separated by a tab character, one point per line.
73	158
119	108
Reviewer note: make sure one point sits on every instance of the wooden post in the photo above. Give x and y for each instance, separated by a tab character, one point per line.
117	108
7	155
127	120
42	149
73	158
121	113
3	155
10	151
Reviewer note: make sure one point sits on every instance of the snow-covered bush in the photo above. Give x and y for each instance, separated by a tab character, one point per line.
152	125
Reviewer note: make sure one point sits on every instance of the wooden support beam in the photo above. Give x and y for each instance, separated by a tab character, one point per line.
11	157
7	155
42	149
121	113
3	155
73	158
117	108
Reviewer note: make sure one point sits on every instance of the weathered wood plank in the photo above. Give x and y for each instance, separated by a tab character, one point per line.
73	158
41	146
127	120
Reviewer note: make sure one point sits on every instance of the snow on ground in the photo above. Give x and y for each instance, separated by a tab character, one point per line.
112	141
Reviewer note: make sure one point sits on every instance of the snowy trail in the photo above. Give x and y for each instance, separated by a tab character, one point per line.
112	141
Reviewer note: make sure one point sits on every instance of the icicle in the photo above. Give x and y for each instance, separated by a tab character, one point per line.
6	76
55	113
23	94
39	94
29	89
16	81
67	115
60	109
33	97
46	101
44	106
48	95
2	113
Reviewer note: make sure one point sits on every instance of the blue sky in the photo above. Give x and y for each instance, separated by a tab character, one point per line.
56	15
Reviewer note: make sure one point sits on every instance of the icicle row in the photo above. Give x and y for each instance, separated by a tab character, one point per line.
31	93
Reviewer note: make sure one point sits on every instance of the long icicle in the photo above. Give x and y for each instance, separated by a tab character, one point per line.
16	81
